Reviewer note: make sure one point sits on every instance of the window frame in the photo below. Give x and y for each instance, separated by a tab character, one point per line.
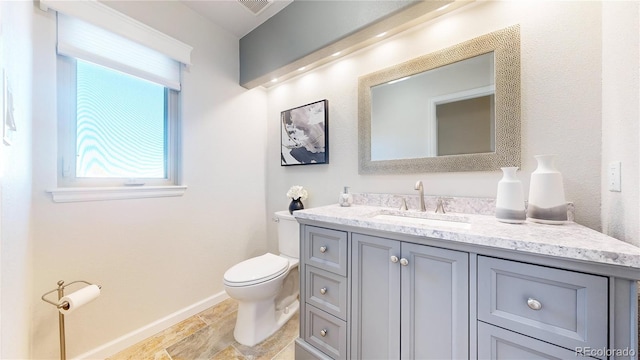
67	137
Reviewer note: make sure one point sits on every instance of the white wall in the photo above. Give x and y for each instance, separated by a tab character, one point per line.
620	117
153	257
561	105
15	185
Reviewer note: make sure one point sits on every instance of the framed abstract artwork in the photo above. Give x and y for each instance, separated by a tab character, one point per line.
304	135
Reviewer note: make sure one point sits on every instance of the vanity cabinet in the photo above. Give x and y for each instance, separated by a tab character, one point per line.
376	294
418	291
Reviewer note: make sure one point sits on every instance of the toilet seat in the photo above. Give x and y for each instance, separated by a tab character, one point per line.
256	270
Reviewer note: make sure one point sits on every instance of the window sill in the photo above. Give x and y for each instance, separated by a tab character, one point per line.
62	195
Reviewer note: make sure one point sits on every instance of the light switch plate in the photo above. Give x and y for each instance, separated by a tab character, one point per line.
614	176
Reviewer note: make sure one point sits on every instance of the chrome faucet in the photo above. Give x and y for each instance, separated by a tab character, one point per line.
420	189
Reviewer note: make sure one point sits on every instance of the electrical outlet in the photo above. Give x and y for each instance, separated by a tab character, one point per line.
614	176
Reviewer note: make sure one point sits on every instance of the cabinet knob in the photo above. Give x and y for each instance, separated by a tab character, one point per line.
323	290
394	259
323	332
323	249
534	304
404	262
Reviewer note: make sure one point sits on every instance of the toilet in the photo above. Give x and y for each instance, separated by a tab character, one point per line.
266	286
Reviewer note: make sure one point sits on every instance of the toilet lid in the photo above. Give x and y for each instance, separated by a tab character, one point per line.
256	270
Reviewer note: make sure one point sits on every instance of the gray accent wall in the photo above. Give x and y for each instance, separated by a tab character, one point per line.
304	27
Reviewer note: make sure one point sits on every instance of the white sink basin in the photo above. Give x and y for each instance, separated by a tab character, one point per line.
419	219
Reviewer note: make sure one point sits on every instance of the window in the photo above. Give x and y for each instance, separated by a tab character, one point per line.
119	84
115	129
121	125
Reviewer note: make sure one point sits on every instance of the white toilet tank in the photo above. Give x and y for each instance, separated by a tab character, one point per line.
288	234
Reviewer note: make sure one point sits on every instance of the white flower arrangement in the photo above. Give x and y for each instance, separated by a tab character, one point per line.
297	192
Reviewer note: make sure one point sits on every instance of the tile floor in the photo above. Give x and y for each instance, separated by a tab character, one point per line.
209	335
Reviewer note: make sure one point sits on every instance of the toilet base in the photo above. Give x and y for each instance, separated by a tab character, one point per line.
258	320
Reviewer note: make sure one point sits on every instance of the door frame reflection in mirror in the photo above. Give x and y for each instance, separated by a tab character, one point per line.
505	44
404	123
483	117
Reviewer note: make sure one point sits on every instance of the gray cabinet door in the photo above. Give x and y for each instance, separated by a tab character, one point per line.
435	303
414	307
375	322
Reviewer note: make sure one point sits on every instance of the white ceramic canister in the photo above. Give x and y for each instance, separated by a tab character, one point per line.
547	203
510	199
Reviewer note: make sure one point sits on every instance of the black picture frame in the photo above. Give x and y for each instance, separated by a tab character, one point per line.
304	134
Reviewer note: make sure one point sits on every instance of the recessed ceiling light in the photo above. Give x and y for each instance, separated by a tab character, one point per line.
274	80
302	68
336	54
381	34
443	7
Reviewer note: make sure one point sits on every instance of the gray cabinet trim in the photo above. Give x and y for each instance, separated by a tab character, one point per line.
624	316
473	306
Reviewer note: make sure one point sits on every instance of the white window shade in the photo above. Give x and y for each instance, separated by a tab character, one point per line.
84	41
94	32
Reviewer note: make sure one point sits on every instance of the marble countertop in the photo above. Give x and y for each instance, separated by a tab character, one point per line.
570	240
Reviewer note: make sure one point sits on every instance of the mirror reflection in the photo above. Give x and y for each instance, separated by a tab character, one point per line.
449	110
455	109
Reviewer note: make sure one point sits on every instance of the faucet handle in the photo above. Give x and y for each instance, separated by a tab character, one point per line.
404	205
440	207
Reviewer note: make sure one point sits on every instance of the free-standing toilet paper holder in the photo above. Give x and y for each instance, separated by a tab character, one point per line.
64	305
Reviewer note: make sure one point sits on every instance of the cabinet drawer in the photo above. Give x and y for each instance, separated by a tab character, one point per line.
499	344
326	249
326	333
326	291
562	307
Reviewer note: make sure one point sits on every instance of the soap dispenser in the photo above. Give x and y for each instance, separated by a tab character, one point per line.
345	198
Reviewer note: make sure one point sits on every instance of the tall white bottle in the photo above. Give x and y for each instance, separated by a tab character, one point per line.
510	198
547	204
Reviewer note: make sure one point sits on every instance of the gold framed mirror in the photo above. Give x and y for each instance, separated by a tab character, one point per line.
456	109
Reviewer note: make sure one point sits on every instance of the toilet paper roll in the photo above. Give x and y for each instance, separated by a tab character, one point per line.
79	298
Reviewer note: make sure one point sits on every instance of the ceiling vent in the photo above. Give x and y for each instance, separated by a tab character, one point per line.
255	6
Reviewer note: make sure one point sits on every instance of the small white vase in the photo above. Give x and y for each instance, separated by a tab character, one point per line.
547	204
510	198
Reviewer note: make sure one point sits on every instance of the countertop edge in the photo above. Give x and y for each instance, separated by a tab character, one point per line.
568	241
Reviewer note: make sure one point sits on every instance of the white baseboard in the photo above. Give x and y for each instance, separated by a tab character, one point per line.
123	342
